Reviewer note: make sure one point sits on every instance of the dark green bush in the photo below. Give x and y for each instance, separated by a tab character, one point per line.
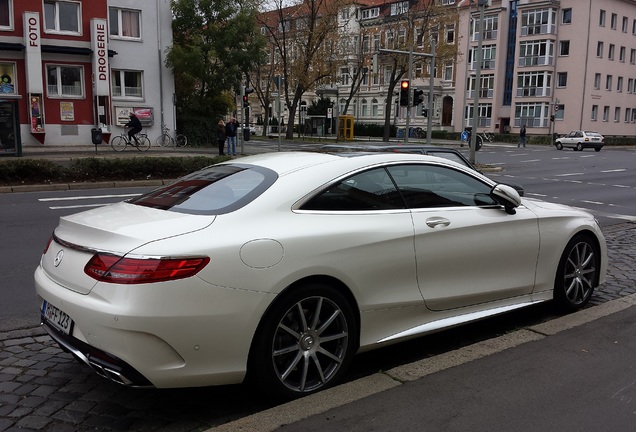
37	171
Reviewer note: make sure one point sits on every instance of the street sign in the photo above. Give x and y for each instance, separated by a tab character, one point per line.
329	112
556	107
464	136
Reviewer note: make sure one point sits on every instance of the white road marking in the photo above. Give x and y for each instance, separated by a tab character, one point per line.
567	175
592	202
614	170
531	160
622	186
87	197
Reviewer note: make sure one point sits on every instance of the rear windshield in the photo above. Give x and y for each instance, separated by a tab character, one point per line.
214	190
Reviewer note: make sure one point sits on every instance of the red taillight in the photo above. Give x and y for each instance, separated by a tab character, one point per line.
115	269
47	246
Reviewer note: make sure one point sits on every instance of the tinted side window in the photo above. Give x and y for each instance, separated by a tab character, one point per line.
370	190
430	186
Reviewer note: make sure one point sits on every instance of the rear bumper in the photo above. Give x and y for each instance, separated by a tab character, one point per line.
103	363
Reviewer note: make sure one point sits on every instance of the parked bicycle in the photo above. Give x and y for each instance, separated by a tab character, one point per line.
120	142
418	132
487	136
165	139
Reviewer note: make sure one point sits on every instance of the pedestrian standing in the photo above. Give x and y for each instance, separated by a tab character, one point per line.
522	136
230	132
220	136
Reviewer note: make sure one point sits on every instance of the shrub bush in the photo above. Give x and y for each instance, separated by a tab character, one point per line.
38	171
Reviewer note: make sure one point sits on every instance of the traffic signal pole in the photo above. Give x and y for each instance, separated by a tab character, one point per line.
412	54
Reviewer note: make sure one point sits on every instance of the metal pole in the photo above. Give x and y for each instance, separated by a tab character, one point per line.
470	23
241	114
431	87
408	97
473	137
278	112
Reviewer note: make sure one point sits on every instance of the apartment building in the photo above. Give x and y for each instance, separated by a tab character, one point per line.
552	65
70	66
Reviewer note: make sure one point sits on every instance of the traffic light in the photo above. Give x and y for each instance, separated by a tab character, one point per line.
246	102
418	97
404	92
425	112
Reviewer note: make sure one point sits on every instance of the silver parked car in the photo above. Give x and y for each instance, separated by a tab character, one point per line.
579	140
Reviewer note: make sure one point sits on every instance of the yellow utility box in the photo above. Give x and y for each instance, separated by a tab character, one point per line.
345	127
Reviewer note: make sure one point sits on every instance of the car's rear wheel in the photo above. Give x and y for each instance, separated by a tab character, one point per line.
579	147
577	274
559	146
305	342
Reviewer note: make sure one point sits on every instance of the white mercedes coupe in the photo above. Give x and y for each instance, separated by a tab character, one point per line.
280	267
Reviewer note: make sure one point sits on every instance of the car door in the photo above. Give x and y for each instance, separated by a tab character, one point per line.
468	249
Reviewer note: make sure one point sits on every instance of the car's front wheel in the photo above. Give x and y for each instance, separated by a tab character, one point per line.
577	274
559	146
305	342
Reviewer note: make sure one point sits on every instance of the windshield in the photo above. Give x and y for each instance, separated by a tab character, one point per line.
214	190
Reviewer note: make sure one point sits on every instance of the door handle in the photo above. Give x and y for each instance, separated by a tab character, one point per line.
435	222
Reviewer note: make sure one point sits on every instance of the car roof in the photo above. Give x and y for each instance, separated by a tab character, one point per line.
287	162
407	148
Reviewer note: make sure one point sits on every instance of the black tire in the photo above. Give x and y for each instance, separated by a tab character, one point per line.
577	274
118	143
181	140
164	140
144	143
559	146
598	149
305	342
579	147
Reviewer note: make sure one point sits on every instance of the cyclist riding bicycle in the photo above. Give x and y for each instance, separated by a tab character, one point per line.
135	127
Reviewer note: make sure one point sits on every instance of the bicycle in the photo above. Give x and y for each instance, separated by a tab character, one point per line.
120	142
486	136
418	132
165	139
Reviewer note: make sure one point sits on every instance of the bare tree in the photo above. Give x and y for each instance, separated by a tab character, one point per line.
302	37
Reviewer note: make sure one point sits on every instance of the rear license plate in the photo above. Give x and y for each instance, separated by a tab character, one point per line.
56	318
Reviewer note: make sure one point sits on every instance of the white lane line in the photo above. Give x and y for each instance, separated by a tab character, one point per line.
536	195
593	202
622	186
561	158
86	197
530	160
567	175
614	170
77	206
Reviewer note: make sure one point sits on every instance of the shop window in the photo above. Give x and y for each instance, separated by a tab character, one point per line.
127	84
62	16
6	15
124	23
65	81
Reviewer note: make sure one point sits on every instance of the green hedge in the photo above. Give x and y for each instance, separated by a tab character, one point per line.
38	171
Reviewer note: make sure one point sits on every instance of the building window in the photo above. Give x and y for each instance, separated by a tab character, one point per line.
562	79
594	112
371	13
399	8
625	24
534	84
488	56
62	16
532	114
559	114
621	55
448	2
601	18
8	83
374	108
599	50
597	81
608	83
564	48
486	86
124	23
448	71
376	42
617	114
619	84
610	52
491	26
606	113
344	76
127	84
613	21
628	114
630	85
566	16
65	81
632	56
6	15
536	53
450	34
540	21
